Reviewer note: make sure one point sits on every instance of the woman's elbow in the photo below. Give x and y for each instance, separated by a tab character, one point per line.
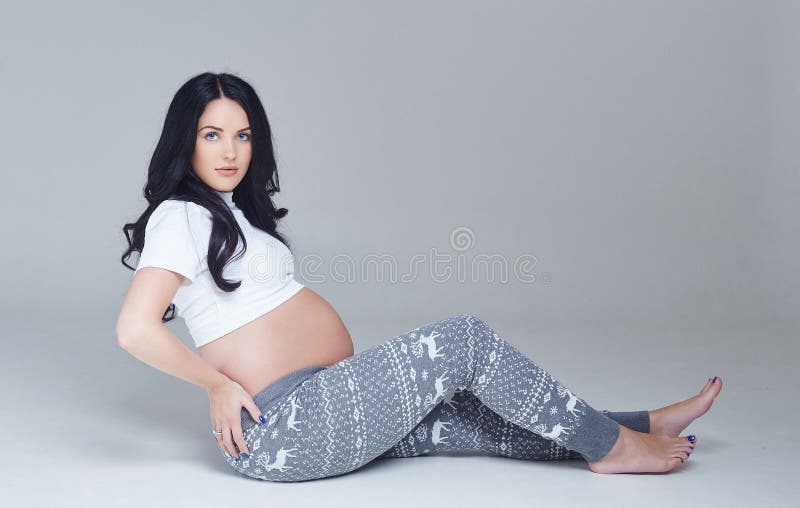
130	331
125	334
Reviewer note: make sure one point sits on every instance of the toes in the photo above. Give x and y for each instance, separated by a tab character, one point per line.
681	453
711	384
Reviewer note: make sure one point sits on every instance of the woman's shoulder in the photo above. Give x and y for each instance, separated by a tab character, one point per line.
178	211
175	205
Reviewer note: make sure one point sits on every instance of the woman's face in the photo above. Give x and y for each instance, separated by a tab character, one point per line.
223	140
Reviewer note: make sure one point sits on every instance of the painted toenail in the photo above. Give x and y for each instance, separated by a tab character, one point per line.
691	438
714	380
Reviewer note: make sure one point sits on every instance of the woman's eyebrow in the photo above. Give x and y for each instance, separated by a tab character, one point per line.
223	130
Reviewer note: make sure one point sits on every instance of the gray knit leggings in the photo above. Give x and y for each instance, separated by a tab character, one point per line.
452	385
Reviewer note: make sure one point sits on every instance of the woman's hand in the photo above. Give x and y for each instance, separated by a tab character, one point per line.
227	399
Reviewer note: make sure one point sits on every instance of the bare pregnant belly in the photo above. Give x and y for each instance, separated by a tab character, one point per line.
304	330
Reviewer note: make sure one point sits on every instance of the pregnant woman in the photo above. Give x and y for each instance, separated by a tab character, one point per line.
290	401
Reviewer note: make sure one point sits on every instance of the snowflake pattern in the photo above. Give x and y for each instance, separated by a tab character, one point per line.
425	391
421	432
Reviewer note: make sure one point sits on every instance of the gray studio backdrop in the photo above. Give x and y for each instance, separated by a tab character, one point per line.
640	160
622	177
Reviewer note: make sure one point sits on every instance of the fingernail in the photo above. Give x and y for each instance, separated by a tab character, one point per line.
262	419
245	455
691	438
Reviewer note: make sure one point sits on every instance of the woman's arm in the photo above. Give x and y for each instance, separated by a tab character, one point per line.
141	333
159	348
140	330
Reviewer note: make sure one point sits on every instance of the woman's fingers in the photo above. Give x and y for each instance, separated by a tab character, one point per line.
239	438
232	438
222	397
227	441
254	411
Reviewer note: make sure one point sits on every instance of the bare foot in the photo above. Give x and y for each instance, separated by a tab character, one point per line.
671	420
638	452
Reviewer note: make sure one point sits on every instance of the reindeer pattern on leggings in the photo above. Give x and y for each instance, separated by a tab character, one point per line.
452	385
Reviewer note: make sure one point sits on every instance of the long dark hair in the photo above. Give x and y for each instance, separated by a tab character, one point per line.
171	176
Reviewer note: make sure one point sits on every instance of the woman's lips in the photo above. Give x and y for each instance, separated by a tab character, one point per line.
227	172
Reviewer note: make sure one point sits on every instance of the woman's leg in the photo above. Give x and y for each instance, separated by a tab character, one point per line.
348	414
634	420
464	423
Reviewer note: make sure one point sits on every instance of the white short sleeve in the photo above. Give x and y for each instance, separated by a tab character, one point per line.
169	240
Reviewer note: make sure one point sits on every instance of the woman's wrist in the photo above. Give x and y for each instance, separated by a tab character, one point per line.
217	380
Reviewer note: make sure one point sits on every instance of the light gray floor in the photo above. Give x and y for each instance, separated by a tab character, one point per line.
85	424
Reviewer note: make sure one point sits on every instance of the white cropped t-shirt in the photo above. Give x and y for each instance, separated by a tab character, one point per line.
176	238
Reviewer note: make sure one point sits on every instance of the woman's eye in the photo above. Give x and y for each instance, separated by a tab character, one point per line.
247	136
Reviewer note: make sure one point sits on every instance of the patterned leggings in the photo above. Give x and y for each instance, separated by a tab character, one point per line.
452	385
